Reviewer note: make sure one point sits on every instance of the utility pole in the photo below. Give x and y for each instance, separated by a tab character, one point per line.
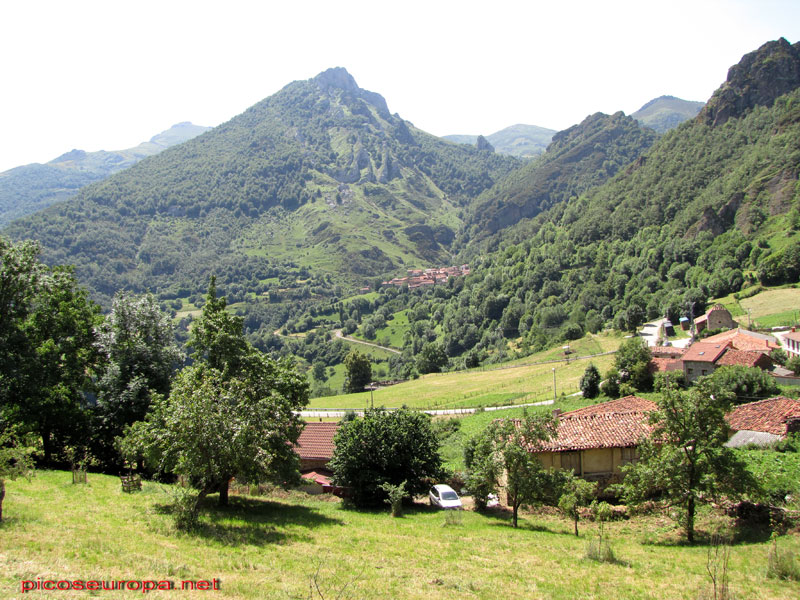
554	384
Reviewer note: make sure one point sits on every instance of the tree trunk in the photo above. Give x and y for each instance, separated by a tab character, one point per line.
514	514
47	446
2	495
690	520
223	492
576	527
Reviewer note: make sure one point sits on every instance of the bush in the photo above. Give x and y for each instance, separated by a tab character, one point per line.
599	550
184	509
782	564
396	494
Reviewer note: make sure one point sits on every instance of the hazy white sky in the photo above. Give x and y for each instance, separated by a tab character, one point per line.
108	74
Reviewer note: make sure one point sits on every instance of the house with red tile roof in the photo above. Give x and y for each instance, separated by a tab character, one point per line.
745	358
700	359
763	422
315	445
597	440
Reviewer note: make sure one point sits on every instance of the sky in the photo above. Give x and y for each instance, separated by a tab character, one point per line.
107	75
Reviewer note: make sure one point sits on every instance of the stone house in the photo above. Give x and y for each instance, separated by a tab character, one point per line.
763	422
717	317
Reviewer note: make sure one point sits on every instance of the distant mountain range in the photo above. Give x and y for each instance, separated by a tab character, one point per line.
29	188
667	112
524	141
528	141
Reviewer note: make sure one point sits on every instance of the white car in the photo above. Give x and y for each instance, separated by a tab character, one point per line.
444	496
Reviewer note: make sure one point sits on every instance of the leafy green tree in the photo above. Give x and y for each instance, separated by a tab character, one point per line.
431	359
793	364
576	493
46	348
137	344
217	337
213	427
684	459
484	466
590	382
632	363
385	447
503	453
358	371
779	356
745	383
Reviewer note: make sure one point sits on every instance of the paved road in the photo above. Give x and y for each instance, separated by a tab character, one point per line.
338	333
339	412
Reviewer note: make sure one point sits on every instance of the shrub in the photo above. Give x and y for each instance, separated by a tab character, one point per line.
185	515
782	564
396	494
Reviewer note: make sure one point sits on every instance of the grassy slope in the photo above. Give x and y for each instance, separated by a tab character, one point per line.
770	308
527	382
269	548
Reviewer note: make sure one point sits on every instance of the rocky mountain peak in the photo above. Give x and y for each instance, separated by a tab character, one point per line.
338	78
757	80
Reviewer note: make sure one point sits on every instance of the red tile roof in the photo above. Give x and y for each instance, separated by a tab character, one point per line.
742	339
792	335
768	416
626	404
742	358
662	365
667	351
316	441
704	352
614	424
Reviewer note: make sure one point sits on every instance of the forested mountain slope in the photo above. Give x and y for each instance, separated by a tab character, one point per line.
29	188
711	208
578	158
317	180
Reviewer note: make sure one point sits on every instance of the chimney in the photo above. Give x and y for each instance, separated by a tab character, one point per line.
557	413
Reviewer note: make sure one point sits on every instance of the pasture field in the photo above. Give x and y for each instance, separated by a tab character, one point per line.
289	545
529	379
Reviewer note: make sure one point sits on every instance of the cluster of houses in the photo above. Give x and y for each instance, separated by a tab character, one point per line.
594	441
597	440
417	278
736	346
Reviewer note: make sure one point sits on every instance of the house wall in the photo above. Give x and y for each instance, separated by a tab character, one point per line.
693	370
719	319
307	464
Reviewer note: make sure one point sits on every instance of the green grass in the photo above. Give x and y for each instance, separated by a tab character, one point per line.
275	546
516	382
773	307
394	331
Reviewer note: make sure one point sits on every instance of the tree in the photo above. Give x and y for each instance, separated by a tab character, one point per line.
358	372
793	364
385	447
745	383
575	493
431	359
46	348
590	382
214	427
506	448
137	343
684	460
632	362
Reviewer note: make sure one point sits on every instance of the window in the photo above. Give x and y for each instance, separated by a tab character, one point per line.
629	455
705	372
571	460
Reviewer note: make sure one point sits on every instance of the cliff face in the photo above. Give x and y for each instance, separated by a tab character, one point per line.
757	80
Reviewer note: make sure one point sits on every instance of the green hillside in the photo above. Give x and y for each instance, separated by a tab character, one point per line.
666	112
27	189
318	179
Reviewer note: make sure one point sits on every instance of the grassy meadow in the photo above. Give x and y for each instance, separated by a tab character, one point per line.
285	544
529	379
